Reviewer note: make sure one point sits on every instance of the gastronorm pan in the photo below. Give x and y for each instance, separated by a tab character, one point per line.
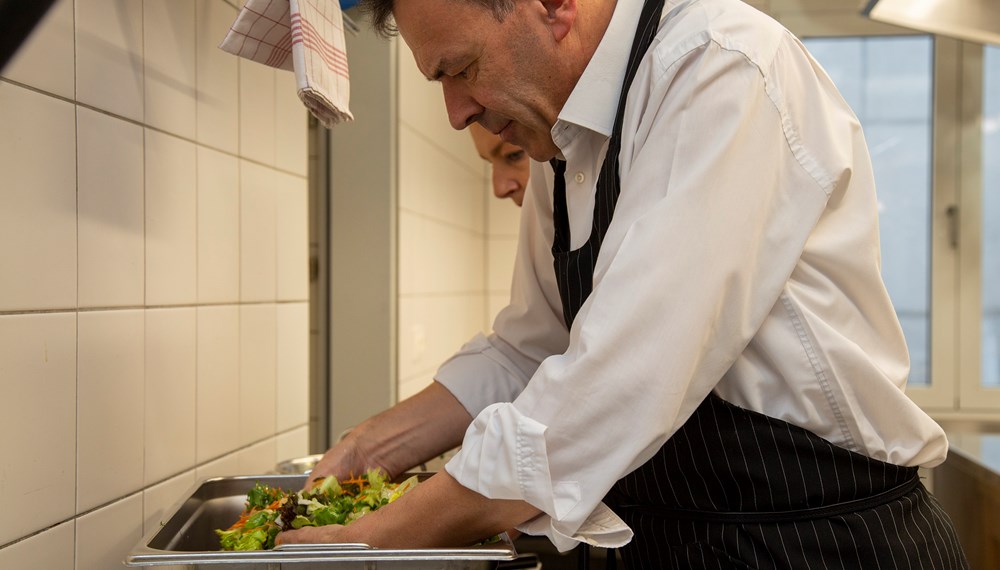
187	538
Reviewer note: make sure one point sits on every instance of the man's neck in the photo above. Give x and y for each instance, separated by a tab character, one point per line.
596	15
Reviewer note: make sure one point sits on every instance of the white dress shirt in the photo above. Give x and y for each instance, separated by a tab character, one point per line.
743	257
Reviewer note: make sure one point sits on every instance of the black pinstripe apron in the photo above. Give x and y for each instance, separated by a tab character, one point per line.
734	488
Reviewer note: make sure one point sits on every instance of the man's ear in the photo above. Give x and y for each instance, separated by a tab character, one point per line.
561	16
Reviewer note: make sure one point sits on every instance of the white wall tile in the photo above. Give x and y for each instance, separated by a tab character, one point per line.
257	104
445	323
439	258
460	260
45	59
409	387
38	202
158	501
293	444
504	217
446	212
105	537
258	343
217	77
48	550
169	442
109	406
258	233
415	258
292	237
293	365
438	186
500	270
38	380
226	466
218	412
109	64
168	34
171	220
218	227
110	202
123	216
259	458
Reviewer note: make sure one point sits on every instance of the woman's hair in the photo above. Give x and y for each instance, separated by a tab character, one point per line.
380	12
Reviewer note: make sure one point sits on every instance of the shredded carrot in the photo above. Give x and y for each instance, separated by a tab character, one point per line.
360	482
245	515
242	520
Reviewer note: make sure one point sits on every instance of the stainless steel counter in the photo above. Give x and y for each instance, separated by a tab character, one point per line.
983	449
968	486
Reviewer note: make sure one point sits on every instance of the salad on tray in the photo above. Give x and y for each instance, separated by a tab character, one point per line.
269	510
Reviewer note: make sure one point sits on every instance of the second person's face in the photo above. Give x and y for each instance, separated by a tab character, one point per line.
509	163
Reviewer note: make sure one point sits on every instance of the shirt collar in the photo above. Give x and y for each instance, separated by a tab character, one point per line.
594	100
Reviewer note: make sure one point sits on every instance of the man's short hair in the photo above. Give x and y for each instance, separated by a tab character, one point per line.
380	13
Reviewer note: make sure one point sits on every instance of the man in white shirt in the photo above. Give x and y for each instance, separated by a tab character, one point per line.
698	333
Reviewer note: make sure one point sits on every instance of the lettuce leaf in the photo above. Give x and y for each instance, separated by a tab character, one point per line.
269	510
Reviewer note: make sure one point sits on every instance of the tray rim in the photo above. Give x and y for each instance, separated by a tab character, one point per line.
144	555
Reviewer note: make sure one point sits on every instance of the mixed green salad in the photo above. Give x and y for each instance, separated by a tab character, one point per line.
270	510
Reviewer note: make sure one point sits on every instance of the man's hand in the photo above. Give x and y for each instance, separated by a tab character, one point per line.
407	434
311	534
342	460
445	512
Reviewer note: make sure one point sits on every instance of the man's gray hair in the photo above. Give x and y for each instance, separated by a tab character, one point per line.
380	12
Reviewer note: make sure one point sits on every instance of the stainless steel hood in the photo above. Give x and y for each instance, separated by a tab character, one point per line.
970	20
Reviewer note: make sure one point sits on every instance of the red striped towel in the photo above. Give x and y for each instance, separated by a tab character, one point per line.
305	36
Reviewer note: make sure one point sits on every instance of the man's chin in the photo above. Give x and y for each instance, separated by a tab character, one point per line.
541	153
538	149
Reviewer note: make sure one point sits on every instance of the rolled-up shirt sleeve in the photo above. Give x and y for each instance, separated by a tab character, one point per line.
720	191
496	368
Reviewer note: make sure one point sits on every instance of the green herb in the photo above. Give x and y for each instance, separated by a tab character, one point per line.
269	510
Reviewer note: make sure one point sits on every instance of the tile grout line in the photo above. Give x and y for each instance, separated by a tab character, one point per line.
76	318
20	312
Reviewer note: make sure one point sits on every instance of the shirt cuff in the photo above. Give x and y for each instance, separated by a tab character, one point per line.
504	456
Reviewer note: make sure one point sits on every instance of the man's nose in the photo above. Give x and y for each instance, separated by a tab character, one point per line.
462	107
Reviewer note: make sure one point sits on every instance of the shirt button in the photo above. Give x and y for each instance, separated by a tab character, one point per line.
579	178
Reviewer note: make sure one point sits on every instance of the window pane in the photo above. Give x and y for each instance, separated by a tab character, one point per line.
888	82
991	219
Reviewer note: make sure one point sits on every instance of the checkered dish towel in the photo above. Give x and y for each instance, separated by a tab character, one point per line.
305	36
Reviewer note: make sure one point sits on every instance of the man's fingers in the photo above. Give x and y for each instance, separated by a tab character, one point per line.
308	534
312	481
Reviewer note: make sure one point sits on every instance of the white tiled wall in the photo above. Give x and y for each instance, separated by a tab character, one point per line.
153	274
455	239
501	241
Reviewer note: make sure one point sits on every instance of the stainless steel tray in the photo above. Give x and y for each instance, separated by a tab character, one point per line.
187	538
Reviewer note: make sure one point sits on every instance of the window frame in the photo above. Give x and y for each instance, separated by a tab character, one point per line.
973	396
955	390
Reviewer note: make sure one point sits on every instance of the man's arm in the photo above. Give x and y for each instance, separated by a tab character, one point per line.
437	513
407	434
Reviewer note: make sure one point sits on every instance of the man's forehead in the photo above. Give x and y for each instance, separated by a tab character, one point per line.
434	53
440	32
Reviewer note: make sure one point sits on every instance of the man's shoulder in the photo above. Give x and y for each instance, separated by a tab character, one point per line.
733	25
